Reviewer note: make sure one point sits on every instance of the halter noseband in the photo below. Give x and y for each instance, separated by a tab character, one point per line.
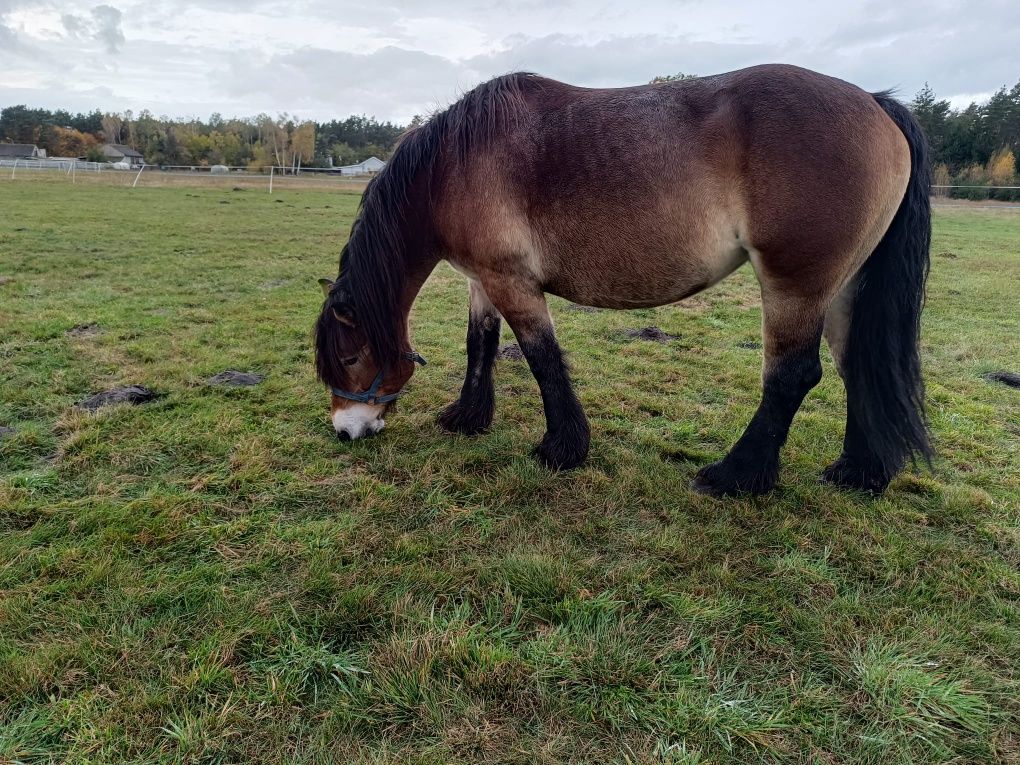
371	396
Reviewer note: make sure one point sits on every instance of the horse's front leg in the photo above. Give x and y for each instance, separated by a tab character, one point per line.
566	440
472	412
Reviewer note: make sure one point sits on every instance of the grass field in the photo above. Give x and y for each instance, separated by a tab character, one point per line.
213	578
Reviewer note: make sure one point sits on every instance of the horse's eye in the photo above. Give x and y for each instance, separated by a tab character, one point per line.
350	360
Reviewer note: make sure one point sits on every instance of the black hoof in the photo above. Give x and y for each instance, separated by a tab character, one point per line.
466	420
848	473
557	452
720	479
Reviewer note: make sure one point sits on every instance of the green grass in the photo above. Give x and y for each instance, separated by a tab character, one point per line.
213	578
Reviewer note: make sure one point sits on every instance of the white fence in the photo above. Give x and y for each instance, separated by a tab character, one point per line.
53	163
180	174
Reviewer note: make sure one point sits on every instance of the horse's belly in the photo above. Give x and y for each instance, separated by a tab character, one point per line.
643	277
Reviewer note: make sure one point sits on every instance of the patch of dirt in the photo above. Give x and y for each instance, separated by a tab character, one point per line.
1006	378
751	345
131	394
84	330
511	352
5	432
237	188
235	379
948	255
582	308
651	334
273	284
5	280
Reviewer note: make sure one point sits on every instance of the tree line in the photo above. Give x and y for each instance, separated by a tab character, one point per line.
259	141
975	146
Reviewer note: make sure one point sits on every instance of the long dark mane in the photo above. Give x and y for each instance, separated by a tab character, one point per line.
392	224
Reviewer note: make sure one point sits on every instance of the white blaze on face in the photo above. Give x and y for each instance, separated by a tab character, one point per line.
359	420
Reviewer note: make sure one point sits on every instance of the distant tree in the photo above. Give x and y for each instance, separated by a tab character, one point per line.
68	142
19	124
357	133
678	77
113	125
977	145
1002	119
257	141
932	114
303	142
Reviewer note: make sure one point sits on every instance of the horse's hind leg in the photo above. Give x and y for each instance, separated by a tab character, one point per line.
792	330
566	440
472	412
857	467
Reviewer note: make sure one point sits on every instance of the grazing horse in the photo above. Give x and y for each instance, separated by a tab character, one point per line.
642	196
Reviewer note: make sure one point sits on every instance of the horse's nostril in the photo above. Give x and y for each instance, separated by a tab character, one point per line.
343	435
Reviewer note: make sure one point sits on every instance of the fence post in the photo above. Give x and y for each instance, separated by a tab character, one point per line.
14	169
271	169
138	176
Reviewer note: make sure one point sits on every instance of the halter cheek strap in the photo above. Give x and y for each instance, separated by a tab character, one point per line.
371	396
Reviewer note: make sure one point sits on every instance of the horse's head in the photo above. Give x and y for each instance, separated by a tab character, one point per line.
362	389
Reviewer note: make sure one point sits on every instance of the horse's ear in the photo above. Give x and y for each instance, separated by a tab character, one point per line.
326	285
344	314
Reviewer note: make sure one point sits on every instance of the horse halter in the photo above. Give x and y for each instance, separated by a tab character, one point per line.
371	396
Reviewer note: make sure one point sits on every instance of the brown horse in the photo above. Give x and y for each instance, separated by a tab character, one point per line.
642	196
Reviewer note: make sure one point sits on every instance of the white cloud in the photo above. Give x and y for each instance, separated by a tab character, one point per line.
392	59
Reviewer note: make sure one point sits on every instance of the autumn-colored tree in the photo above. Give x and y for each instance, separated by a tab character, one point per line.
303	142
68	142
1001	168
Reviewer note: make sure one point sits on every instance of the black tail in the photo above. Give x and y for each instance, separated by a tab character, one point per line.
883	363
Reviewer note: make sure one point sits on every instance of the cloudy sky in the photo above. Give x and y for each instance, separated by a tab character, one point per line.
392	59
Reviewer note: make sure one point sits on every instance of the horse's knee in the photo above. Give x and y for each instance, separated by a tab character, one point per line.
794	375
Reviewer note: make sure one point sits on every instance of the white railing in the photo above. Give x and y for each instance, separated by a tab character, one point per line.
53	163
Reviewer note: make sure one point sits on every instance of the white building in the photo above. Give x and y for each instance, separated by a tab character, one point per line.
367	167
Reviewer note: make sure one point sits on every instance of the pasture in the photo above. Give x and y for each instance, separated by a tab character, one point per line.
211	577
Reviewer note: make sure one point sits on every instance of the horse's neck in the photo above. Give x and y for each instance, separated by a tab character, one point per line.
417	274
412	257
415	268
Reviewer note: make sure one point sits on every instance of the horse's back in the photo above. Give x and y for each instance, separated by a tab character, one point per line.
643	195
